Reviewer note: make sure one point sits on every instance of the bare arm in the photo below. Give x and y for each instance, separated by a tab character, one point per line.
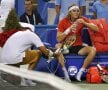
82	10
61	35
92	26
57	7
94	15
44	50
89	25
48	52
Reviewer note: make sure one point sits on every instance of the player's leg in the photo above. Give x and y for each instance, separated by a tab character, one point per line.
90	52
31	57
62	63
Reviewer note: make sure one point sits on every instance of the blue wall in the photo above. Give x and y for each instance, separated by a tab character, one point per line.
20	7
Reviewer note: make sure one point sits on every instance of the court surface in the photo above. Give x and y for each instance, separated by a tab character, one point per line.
90	86
4	85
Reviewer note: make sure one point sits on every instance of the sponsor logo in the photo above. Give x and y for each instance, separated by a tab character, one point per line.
72	70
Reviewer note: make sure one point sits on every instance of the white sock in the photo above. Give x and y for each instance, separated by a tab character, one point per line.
82	69
66	74
23	82
79	74
30	82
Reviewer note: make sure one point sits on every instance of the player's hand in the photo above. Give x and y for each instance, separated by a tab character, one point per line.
80	21
73	28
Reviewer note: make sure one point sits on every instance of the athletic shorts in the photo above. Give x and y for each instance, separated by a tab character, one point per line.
75	49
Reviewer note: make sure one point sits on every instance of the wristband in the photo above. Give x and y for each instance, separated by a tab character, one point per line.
67	31
50	56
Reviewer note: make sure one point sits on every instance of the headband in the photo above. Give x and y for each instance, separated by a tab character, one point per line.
73	7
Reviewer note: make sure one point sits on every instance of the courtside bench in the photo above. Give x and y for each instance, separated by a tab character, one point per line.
73	61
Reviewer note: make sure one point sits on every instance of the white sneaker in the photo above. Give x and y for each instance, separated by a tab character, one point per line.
68	80
24	84
79	74
67	76
27	82
30	82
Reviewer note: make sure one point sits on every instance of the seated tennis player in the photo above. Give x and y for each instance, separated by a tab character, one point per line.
72	25
17	42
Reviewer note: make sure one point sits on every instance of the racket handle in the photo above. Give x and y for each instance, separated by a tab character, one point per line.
99	67
59	50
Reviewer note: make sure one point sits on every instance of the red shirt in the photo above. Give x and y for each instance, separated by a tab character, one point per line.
5	35
65	23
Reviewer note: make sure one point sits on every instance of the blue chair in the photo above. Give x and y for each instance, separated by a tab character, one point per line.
73	62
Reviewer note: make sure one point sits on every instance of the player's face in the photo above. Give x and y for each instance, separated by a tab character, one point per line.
75	13
28	5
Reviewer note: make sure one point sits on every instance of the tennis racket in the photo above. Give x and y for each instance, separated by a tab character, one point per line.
103	73
68	42
64	48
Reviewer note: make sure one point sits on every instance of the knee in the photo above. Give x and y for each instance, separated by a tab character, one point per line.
93	49
87	50
58	45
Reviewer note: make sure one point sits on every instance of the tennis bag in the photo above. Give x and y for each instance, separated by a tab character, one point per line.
99	39
94	75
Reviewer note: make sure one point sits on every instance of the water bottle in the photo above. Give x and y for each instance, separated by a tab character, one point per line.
75	25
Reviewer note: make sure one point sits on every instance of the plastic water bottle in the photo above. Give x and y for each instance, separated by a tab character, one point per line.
75	25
